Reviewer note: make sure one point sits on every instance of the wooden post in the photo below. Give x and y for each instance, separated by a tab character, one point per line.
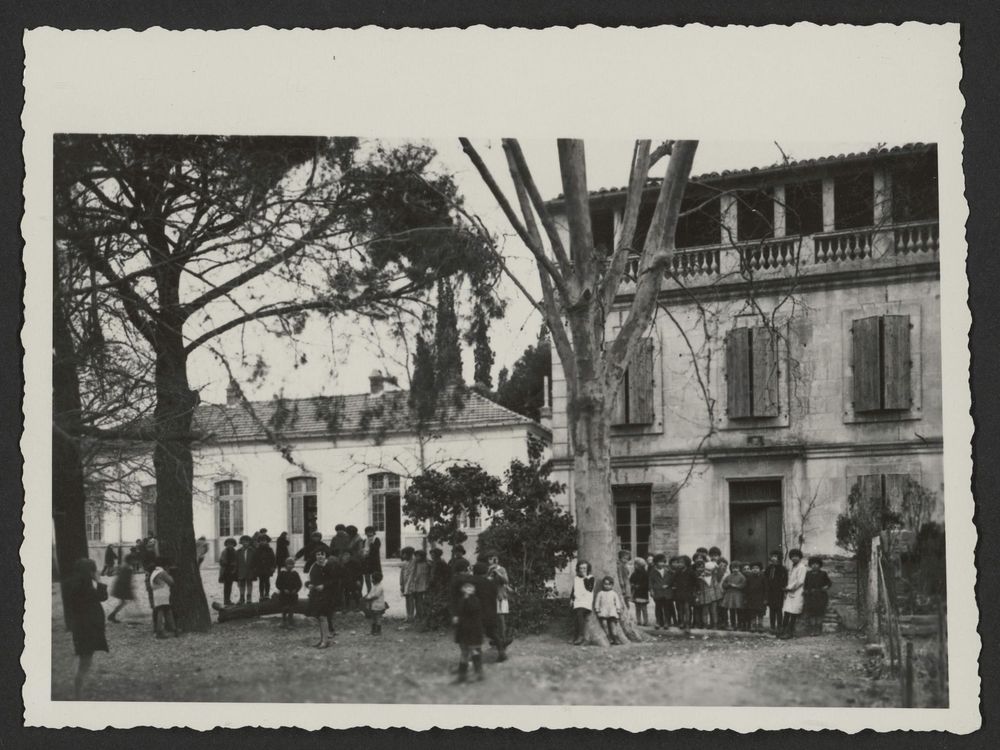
908	676
872	603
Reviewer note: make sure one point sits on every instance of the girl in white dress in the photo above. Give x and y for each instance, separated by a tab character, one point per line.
794	595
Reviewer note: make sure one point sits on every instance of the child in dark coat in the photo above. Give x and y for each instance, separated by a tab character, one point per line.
815	588
265	563
227	570
775	581
288	583
245	572
468	621
639	582
754	599
661	580
685	587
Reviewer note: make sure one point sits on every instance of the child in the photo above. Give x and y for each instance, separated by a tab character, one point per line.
685	587
775	580
816	584
227	570
265	562
417	583
624	572
660	582
374	602
288	584
792	606
245	572
320	601
639	583
754	599
160	583
718	576
121	589
581	600
468	622
732	595
608	607
497	573
405	571
698	560
709	601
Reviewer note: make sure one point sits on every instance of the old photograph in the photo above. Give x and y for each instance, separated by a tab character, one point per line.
355	418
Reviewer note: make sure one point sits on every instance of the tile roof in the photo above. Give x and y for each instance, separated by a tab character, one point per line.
346	416
791	164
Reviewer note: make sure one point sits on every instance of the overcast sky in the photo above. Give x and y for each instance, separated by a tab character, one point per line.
342	354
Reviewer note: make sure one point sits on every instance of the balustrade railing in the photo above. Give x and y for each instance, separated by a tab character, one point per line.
922	237
790	253
769	254
852	244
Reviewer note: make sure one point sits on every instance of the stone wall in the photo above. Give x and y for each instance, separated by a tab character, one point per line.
843	574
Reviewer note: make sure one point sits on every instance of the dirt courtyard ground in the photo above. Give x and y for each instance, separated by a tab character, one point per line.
257	661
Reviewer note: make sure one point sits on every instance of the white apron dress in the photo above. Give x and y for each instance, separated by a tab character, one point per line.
795	598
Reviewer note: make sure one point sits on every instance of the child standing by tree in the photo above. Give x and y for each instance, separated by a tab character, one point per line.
608	607
374	602
817	583
467	617
639	583
288	583
581	600
160	584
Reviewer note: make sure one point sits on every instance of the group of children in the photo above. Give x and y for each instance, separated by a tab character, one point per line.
704	591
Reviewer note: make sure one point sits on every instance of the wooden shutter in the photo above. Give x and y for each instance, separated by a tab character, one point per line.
738	396
896	361
867	386
871	491
765	372
895	488
619	413
640	384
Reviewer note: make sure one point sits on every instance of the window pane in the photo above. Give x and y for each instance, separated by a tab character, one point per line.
310	484
375	481
224	529
393	481
378	512
237	515
222	488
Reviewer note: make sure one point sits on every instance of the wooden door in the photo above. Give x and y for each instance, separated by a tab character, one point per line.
748	524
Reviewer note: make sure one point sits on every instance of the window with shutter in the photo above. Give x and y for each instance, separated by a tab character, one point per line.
871	490
881	363
896	362
764	348
634	400
640	384
739	398
867	365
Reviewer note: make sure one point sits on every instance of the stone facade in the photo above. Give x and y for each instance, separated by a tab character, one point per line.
777	478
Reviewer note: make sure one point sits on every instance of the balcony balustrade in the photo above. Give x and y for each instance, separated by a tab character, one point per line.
807	254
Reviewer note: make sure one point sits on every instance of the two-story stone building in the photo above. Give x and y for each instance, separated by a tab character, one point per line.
795	354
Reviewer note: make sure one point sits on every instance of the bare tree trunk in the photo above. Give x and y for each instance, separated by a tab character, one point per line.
595	520
172	459
68	496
